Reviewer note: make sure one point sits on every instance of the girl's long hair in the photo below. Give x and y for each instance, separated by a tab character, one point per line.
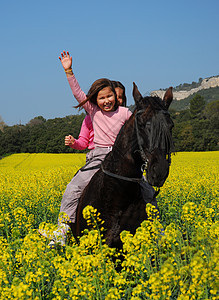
121	86
97	86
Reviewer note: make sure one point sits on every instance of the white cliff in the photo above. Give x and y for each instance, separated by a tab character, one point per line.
206	83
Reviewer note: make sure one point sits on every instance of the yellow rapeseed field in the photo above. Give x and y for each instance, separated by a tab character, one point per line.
181	262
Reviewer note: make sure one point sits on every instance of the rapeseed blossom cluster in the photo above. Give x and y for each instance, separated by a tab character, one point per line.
174	256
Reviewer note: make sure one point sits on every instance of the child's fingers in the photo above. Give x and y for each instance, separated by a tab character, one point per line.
68	137
63	54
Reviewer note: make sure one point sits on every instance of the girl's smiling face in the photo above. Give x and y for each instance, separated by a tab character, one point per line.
106	99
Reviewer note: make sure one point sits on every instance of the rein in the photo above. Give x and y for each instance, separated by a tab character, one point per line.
121	177
137	180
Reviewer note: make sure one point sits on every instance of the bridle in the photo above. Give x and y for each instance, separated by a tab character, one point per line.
144	158
142	153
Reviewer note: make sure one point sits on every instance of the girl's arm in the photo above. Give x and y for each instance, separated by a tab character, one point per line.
66	61
83	140
85	136
79	144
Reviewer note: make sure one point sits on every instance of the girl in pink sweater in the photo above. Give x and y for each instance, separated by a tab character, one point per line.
86	136
107	118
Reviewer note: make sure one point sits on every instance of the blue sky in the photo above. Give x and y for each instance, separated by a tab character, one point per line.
156	44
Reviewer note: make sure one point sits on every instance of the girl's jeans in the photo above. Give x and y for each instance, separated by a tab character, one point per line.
76	186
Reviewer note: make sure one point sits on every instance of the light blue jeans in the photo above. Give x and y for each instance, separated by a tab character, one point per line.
76	186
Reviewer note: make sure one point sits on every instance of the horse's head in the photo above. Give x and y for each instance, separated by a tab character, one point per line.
154	134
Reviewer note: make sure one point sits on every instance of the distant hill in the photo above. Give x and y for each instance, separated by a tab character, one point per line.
209	95
182	94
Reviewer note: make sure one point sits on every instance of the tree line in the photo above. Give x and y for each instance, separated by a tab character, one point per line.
195	129
40	135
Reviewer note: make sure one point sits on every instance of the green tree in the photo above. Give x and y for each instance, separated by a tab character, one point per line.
212	110
36	121
197	105
183	137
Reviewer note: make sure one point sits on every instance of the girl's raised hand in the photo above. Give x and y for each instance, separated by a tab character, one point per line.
66	60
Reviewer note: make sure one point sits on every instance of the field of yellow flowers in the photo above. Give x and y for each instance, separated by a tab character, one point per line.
182	263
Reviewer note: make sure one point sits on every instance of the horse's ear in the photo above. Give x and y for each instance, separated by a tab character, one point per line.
168	97
136	94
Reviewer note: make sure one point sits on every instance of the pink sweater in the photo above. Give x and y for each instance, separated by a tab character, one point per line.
106	124
86	136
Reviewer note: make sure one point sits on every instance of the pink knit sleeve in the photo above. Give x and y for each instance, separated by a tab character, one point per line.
85	139
79	95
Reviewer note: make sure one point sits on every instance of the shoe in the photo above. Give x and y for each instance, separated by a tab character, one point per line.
52	245
58	236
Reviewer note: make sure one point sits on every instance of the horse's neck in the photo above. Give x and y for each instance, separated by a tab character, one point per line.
121	159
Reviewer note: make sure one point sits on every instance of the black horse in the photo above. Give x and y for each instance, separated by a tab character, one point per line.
143	143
